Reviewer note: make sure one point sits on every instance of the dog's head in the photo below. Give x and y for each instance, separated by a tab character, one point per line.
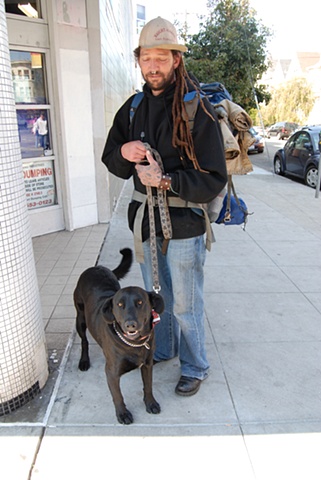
131	308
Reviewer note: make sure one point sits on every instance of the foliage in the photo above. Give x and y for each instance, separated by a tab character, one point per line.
230	48
292	102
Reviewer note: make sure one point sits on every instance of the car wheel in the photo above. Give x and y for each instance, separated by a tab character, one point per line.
311	177
278	166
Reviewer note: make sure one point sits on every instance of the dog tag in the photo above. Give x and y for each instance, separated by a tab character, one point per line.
156	318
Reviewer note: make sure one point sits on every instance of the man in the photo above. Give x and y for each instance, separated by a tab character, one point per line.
194	171
40	128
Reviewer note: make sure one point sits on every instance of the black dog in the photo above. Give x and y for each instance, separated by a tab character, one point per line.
121	321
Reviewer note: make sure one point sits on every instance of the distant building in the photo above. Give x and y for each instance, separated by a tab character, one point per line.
314	73
302	64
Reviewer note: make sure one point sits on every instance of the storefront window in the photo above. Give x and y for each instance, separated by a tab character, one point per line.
34	132
21	7
28	76
34	127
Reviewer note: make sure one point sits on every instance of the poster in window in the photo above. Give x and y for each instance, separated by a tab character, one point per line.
40	184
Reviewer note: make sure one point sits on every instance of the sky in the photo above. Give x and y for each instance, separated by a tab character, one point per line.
296	27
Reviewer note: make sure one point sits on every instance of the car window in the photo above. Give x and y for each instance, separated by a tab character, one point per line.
315	140
291	142
301	140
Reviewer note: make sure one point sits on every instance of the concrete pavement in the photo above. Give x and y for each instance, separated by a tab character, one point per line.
257	416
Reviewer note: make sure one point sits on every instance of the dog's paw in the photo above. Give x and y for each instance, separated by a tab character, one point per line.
125	417
84	365
153	407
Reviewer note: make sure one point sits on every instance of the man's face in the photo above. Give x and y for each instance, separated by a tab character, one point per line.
158	68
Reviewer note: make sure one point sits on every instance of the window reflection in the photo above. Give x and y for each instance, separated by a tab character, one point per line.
21	7
28	77
34	127
34	133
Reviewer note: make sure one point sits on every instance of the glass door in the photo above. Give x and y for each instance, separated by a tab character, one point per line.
35	126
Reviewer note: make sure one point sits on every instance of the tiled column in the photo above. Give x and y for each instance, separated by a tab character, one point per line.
23	358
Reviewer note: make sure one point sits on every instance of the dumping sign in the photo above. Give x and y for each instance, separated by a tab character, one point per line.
40	184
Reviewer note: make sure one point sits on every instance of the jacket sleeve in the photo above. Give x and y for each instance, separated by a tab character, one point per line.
201	187
117	136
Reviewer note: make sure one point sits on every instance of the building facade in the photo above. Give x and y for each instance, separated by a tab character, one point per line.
301	65
72	67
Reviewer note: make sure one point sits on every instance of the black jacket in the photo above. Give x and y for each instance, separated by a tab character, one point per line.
153	117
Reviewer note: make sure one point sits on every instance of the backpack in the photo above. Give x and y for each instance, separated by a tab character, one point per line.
215	92
190	99
225	208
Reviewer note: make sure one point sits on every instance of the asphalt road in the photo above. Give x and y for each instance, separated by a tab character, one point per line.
265	160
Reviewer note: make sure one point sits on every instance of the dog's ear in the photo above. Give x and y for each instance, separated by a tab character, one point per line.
108	310
156	301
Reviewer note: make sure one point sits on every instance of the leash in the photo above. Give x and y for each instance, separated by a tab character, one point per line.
164	218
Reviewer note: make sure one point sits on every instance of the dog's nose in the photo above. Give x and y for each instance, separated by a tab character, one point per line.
131	325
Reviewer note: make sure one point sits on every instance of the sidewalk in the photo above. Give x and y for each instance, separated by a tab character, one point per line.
257	416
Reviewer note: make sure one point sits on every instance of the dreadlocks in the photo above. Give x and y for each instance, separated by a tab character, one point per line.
182	135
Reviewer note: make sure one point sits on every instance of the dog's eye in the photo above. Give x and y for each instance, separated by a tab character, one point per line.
139	302
120	304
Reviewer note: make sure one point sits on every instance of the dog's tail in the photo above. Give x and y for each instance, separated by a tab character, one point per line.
125	264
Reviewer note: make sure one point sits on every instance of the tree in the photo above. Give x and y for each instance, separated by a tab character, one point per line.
292	101
231	48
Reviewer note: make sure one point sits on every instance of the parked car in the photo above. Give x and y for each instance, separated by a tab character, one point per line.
260	130
300	156
258	145
282	130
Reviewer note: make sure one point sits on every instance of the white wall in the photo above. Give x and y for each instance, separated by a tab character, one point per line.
93	45
73	102
79	137
118	66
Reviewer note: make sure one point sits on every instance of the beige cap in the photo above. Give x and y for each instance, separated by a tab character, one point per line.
160	33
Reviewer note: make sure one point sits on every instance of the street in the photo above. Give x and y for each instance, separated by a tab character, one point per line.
265	160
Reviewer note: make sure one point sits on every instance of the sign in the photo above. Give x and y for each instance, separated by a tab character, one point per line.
40	184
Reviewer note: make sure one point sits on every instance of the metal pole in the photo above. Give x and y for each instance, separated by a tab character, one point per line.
317	188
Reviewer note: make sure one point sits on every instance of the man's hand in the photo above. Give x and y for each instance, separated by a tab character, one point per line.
151	174
133	151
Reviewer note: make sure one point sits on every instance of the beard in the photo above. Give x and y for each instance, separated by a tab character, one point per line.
162	82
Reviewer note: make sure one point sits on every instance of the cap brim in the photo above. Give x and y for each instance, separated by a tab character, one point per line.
167	46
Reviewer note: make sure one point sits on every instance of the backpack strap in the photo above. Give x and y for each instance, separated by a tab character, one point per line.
230	190
134	105
190	99
174	202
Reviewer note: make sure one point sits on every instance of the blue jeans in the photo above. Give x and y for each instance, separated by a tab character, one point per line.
181	329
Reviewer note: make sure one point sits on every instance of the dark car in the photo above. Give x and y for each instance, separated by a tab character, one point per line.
282	130
300	156
258	145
